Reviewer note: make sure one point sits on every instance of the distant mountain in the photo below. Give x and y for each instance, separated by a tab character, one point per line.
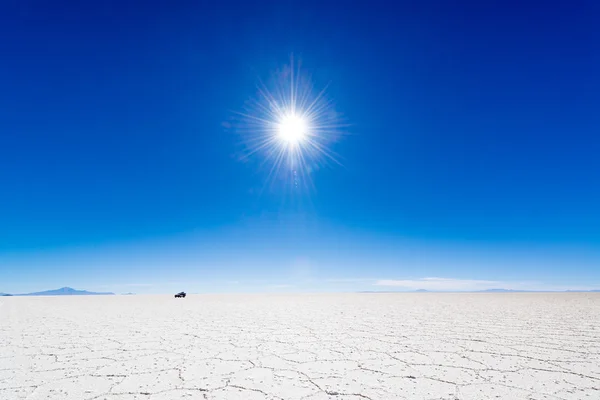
421	291
65	291
5	294
536	291
583	291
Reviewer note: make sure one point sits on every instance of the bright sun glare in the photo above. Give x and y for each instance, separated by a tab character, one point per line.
290	126
292	129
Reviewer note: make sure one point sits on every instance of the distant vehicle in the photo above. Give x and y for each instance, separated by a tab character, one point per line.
180	294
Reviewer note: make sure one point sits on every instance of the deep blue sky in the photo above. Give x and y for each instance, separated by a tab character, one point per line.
474	151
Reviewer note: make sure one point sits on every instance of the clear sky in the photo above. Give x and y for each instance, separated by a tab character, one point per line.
472	160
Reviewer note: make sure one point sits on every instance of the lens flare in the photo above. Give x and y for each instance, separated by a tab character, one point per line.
290	127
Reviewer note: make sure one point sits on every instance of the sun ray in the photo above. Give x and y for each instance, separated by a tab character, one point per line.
291	126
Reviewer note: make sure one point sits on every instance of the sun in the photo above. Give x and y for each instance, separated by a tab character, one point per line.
292	129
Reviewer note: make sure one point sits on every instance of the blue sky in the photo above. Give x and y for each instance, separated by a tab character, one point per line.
472	159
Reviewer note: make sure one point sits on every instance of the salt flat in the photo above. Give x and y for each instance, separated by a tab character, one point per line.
326	346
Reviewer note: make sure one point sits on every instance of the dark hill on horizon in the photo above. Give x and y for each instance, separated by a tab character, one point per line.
65	291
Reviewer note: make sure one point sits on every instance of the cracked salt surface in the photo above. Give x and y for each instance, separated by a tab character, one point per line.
312	347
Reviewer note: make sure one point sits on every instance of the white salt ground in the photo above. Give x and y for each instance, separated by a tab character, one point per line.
313	347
